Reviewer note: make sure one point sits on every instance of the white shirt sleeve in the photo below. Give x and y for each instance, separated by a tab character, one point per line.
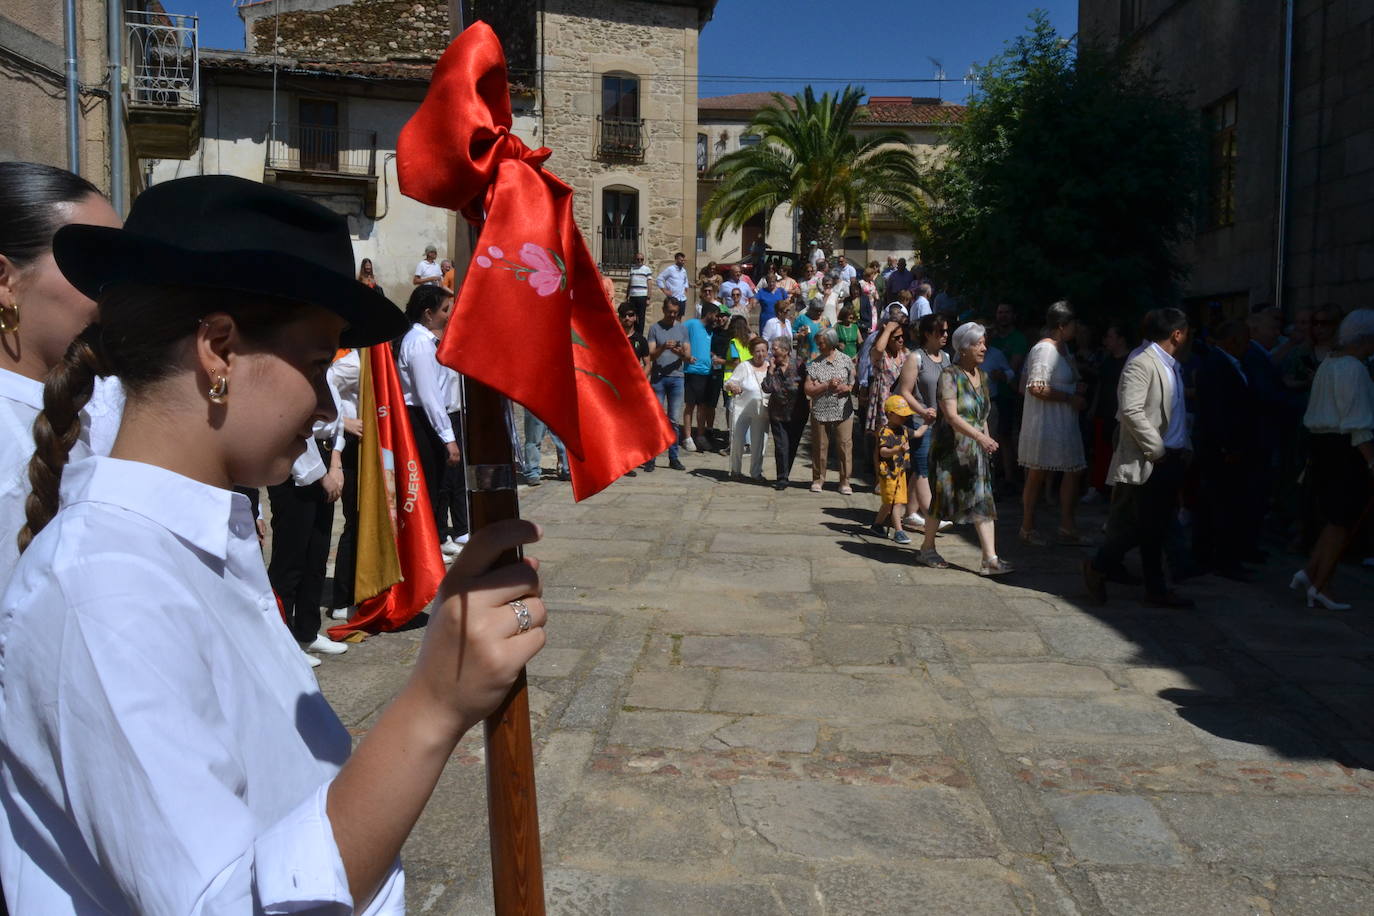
663	279
151	765
427	374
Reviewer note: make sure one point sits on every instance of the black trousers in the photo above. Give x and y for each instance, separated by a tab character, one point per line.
1226	521
786	437
641	304
1140	517
433	459
453	489
301	526
346	555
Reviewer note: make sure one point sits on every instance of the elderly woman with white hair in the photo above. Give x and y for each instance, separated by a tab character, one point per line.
829	381
961	453
1340	418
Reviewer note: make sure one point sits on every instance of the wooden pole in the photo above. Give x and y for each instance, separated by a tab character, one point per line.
517	868
517	871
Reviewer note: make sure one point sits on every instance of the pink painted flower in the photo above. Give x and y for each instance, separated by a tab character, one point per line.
546	277
495	252
483	261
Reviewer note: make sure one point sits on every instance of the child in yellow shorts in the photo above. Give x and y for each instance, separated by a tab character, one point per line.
894	461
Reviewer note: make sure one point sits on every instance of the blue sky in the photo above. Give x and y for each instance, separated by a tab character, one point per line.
762	45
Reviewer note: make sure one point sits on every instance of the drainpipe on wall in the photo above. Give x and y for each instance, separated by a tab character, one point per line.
73	88
1281	229
115	25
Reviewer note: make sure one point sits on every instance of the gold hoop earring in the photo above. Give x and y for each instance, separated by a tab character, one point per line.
219	391
9	318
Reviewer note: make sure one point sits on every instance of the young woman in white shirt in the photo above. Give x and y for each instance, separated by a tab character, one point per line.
166	748
425	386
40	314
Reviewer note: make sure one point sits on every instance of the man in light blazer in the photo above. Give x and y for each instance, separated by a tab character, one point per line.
1148	465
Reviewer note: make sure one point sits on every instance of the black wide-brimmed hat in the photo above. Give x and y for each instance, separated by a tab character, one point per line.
221	232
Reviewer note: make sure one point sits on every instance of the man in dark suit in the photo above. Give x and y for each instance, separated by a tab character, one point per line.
1228	449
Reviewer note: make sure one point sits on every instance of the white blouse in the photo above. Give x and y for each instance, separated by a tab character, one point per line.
775	327
166	746
344	375
423	383
21	399
1342	399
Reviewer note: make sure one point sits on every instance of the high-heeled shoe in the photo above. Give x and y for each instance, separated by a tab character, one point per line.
1300	580
1315	598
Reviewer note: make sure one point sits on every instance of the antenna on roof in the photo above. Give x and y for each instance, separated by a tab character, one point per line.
939	74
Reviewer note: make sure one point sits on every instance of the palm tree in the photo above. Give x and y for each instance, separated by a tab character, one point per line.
809	156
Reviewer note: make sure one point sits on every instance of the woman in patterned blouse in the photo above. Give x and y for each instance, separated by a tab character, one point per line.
829	382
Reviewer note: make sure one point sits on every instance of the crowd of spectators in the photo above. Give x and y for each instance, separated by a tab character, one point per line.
1029	403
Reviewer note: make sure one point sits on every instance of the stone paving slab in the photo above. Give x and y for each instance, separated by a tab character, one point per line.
1114	829
788	716
830	822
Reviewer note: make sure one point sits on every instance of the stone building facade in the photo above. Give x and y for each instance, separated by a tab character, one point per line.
1288	223
334	141
617	105
33	90
723	127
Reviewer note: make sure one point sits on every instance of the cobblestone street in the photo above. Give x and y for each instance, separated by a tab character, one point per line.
748	706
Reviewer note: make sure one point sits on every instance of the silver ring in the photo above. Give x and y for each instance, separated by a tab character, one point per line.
522	615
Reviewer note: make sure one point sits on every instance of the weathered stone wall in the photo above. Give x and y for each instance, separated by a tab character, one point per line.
584	39
1211	48
361	30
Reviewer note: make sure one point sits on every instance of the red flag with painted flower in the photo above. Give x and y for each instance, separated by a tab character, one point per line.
570	362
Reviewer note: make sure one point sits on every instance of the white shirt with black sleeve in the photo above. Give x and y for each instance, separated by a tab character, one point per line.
423	382
166	748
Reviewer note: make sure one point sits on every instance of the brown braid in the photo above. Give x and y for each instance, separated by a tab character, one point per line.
56	428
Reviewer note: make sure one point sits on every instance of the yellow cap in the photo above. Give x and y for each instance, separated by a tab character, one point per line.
898	405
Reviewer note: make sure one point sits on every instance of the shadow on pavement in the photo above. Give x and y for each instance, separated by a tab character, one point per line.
1265	671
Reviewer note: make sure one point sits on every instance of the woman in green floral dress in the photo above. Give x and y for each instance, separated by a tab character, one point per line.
961	453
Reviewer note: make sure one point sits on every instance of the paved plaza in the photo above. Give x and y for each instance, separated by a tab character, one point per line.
747	706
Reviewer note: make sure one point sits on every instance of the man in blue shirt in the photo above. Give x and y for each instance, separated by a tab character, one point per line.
673	279
769	297
696	379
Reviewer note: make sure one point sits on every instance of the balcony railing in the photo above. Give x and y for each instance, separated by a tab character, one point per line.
329	150
620	140
619	245
164	59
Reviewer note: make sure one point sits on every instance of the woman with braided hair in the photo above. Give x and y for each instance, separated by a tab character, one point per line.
40	314
164	747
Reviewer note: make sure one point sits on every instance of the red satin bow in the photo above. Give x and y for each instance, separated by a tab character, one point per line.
532	319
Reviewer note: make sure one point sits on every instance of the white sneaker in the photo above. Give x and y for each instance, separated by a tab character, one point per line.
325	646
311	660
945	524
341	613
915	520
461	540
688	445
450	548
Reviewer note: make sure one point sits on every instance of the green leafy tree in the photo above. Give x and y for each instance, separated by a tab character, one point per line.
1073	174
808	155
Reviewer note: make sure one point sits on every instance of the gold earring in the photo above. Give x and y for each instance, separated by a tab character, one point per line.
9	318
219	391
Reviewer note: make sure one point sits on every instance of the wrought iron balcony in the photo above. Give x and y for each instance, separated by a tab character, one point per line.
620	140
619	245
323	151
164	59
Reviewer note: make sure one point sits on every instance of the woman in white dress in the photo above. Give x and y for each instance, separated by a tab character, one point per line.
164	747
750	424
40	315
1050	441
